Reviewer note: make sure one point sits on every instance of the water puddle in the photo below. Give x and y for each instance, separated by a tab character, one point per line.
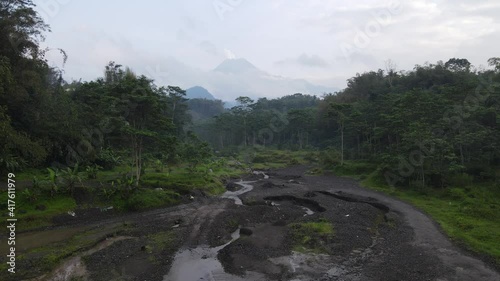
246	187
201	263
308	211
261	173
31	240
308	266
74	268
308	205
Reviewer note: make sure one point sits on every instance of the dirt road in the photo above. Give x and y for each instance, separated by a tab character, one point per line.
247	236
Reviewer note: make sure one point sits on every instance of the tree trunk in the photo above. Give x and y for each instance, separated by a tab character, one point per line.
359	148
300	139
173	112
342	144
221	137
423	174
245	126
461	154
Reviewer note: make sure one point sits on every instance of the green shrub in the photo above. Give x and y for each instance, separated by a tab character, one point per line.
108	159
148	198
312	235
457	193
92	171
460	180
330	158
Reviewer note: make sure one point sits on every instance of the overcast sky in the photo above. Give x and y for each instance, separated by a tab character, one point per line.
323	41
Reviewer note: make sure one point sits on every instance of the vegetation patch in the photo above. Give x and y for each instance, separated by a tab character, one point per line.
40	213
261	159
144	199
312	236
469	215
46	258
160	242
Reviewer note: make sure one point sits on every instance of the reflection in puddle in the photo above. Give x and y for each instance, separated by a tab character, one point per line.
74	268
201	263
308	211
246	187
306	265
261	173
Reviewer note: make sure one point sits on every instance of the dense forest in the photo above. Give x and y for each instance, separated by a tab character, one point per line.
429	126
424	127
121	142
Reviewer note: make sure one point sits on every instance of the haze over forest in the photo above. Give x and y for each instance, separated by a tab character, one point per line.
323	42
250	140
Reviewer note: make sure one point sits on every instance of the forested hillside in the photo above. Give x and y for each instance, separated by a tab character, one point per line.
47	121
424	126
83	154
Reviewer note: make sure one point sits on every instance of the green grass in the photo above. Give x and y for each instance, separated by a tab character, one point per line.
144	199
273	159
184	182
28	174
354	169
469	215
47	257
160	242
29	217
178	181
311	236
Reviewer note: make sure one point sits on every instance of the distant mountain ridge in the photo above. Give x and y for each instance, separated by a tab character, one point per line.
232	78
235	66
239	77
198	92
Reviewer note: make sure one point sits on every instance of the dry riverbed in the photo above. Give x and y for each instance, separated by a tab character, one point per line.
277	225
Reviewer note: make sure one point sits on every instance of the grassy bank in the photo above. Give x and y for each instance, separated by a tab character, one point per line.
261	159
469	215
311	236
40	197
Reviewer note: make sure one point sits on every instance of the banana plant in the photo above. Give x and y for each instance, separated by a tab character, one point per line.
70	177
53	180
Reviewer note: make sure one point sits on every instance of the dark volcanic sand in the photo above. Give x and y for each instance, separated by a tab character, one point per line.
376	237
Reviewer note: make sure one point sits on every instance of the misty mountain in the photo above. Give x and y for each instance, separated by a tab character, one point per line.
198	92
236	66
238	77
232	78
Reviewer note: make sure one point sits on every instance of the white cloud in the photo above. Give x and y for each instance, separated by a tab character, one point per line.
299	33
229	54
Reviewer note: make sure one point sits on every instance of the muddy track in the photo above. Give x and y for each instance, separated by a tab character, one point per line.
376	237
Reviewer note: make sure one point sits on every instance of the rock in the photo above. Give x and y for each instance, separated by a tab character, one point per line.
159	189
232	186
268	185
391	217
309	194
280	223
246	231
